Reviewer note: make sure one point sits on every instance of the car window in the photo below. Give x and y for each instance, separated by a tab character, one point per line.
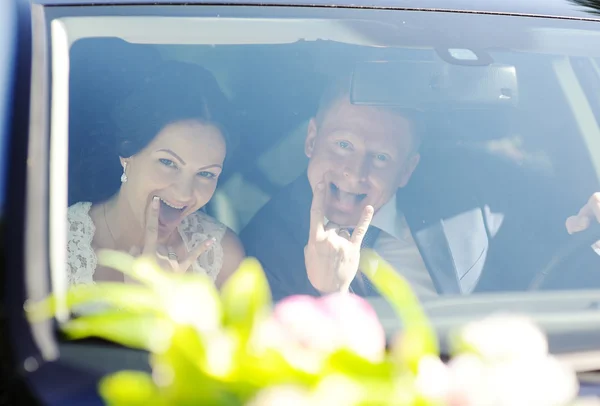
473	137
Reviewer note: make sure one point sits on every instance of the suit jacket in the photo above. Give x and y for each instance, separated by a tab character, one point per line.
460	221
454	250
277	235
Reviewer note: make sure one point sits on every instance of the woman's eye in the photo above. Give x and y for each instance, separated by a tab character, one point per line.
168	163
381	157
343	144
207	175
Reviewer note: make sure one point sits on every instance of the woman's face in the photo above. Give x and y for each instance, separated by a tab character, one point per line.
181	166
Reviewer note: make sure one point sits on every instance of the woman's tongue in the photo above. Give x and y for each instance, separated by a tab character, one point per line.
169	216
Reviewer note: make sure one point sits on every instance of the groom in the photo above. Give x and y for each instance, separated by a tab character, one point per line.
308	237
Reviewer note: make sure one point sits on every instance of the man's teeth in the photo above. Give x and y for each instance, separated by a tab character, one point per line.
170	205
343	195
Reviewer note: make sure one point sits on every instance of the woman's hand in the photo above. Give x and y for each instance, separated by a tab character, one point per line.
159	253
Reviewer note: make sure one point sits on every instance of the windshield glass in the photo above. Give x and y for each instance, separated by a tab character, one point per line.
454	145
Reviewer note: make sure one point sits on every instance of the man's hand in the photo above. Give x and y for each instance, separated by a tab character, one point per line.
588	213
332	259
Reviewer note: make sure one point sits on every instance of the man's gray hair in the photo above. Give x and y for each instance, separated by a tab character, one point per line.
339	88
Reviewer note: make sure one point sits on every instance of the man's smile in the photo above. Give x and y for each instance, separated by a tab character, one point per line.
343	200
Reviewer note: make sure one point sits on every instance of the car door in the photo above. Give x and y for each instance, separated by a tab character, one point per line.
29	371
15	63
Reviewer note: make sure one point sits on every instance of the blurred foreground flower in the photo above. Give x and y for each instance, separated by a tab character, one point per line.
233	348
314	328
504	361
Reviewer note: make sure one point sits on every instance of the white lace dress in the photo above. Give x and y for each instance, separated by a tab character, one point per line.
195	228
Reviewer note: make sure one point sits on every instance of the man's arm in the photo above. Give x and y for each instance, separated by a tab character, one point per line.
269	238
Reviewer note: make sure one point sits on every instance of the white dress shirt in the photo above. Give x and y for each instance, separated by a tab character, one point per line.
396	245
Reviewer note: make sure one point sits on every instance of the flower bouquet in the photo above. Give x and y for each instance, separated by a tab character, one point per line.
234	348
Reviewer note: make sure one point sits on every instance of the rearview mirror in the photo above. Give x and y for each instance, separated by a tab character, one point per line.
427	85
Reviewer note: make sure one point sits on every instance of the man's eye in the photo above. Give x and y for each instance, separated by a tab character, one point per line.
381	157
343	144
207	175
168	163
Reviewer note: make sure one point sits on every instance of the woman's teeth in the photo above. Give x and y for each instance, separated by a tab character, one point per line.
173	206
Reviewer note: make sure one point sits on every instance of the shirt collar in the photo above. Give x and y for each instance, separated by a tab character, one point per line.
387	219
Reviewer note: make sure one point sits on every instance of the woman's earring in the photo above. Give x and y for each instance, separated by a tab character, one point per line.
124	175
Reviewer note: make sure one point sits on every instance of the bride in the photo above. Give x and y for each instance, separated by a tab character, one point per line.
171	147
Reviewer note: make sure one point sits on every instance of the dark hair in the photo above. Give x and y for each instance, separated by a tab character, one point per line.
339	88
174	91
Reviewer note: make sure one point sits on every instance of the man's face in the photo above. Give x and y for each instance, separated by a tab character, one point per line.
363	154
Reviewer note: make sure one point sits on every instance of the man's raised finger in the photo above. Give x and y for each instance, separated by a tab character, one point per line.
363	225
317	214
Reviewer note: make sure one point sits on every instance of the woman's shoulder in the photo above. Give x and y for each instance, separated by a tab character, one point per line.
79	218
81	259
201	223
79	209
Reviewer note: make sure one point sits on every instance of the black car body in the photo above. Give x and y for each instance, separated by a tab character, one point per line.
59	373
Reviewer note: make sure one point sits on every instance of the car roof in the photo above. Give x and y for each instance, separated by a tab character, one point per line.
572	9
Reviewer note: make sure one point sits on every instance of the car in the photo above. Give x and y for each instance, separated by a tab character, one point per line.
507	95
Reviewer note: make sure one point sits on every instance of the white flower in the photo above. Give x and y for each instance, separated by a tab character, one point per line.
504	361
288	395
503	337
523	382
468	381
433	378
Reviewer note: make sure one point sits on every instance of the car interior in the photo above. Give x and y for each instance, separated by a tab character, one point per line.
523	166
504	163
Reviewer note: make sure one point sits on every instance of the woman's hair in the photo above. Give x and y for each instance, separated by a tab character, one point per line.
169	92
174	91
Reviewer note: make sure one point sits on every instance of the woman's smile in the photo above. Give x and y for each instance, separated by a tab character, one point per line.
170	215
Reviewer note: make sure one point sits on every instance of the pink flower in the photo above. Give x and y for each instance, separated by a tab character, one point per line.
332	322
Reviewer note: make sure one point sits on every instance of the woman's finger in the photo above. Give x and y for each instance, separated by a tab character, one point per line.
151	232
196	252
175	267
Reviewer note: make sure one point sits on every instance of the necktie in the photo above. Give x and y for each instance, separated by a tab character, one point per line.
370	237
361	284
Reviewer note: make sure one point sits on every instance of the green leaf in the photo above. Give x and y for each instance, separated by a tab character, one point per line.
130	388
346	362
131	298
193	300
418	336
246	296
142	269
132	330
268	369
182	374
